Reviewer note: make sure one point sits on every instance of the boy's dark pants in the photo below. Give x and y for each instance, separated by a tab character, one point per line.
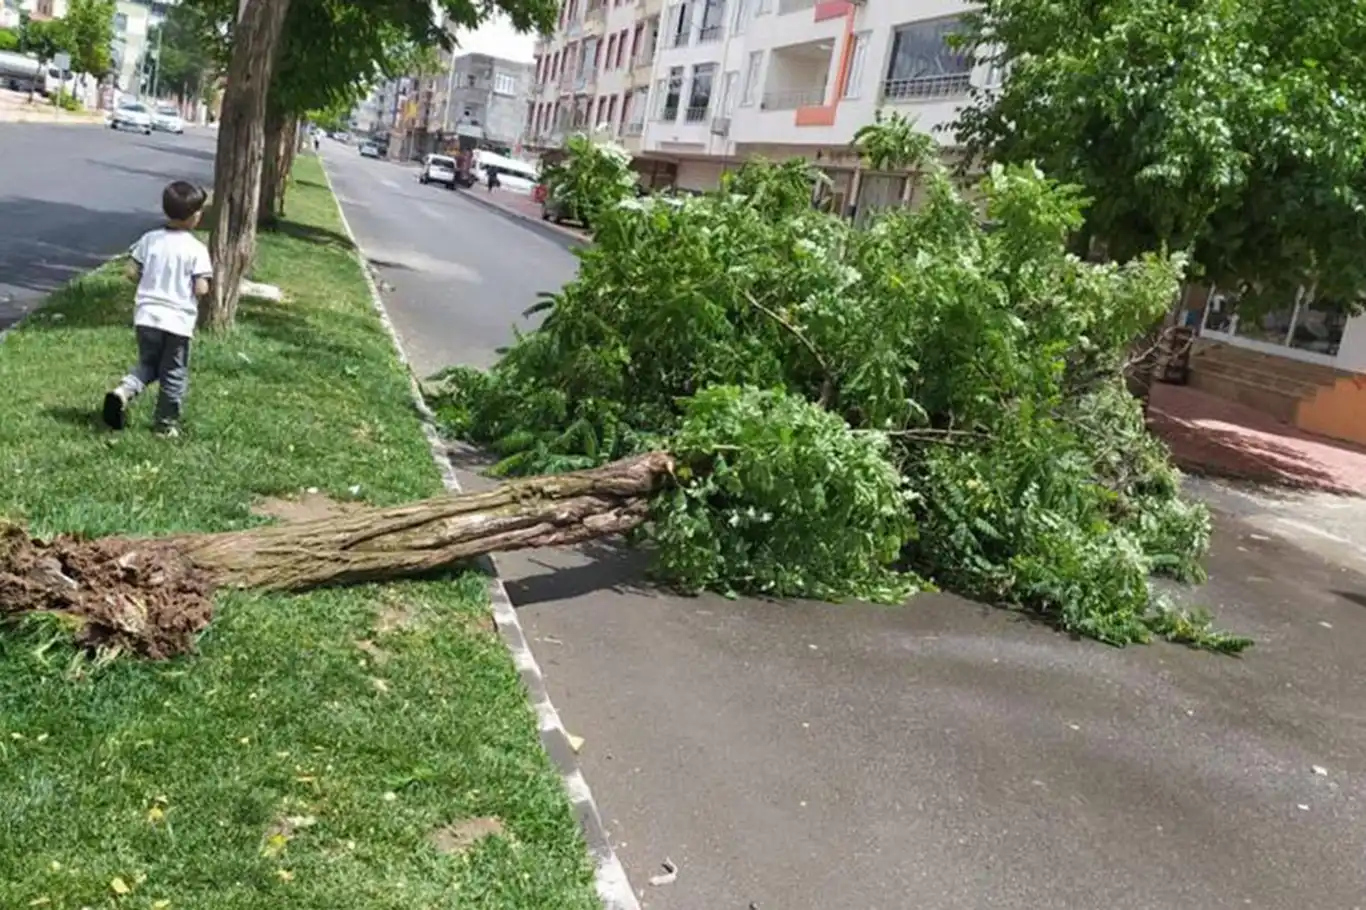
162	358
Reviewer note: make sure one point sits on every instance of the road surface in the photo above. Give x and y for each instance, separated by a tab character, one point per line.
72	196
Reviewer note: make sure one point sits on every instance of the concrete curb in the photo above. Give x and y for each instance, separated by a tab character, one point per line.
613	887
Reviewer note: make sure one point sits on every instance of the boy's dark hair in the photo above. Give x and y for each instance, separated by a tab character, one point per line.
181	200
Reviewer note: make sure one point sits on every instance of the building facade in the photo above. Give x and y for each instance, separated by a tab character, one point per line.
482	99
702	85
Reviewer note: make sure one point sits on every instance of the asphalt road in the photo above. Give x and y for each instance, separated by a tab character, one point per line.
72	196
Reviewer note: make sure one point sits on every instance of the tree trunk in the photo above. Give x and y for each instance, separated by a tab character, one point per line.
154	595
273	169
241	144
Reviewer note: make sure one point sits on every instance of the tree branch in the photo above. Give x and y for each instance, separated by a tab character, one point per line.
827	383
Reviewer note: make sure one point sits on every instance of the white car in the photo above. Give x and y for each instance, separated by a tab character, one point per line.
132	115
369	150
168	120
438	169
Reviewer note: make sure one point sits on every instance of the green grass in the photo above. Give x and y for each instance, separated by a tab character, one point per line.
178	778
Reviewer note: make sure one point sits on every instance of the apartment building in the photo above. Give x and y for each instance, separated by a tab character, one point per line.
481	99
733	79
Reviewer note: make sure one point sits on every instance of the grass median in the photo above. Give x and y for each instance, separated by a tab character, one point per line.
361	748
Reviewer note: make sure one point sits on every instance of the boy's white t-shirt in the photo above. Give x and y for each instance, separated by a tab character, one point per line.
171	261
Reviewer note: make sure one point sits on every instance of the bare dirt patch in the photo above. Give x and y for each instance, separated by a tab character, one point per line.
308	507
461	836
142	596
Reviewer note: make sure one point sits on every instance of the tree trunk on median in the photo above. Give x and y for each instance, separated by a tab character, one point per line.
274	168
241	145
154	595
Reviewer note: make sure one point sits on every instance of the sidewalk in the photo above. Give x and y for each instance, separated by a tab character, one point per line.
1209	435
15	108
522	206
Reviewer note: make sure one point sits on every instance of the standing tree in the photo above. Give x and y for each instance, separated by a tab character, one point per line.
9	39
255	55
195	42
1233	131
241	142
91	27
44	39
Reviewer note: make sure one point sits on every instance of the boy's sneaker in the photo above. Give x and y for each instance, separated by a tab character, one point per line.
116	409
167	430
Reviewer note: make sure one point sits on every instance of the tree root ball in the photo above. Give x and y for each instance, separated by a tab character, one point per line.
140	596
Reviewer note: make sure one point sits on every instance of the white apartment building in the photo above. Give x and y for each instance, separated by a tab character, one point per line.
733	79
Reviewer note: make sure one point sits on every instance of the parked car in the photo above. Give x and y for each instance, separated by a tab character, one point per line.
168	120
438	169
132	115
369	150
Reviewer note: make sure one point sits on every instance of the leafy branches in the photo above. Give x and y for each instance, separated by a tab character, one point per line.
930	396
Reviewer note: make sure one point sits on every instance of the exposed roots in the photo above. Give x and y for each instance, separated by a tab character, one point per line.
141	596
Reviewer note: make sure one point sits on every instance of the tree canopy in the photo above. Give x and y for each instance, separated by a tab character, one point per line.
90	29
195	41
1233	129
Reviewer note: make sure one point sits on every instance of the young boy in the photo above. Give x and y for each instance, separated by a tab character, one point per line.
172	270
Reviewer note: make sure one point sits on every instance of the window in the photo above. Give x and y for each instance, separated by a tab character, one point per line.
699	95
611	52
713	15
120	23
853	77
612	114
680	24
670	93
924	66
728	98
622	36
504	84
756	64
742	8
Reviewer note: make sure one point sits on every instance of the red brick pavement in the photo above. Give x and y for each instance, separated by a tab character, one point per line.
1209	435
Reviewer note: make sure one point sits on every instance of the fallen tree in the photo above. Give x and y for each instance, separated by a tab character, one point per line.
153	596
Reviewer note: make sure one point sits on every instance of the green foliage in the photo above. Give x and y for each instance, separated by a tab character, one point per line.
9	39
90	24
44	38
195	42
593	175
974	362
67	102
1234	130
780	497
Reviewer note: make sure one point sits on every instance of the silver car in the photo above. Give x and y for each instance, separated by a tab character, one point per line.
132	115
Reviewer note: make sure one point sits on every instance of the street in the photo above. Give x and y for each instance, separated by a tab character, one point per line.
805	756
946	755
72	196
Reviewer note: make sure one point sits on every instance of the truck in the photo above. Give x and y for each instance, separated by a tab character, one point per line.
20	71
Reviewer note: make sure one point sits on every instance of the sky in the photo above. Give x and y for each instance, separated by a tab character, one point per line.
497	37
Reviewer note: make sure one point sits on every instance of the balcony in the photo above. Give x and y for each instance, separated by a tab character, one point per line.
792	99
629	130
696	114
642	66
927	88
720	126
709	34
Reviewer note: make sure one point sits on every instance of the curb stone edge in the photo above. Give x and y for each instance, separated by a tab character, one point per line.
613	887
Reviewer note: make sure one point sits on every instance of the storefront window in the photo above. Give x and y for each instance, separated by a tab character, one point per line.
1269	328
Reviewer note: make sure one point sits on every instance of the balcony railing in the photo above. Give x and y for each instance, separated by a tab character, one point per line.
927	88
633	129
720	126
644	58
794	6
696	114
791	100
668	115
710	33
677	39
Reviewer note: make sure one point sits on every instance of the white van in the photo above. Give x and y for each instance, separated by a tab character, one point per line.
516	176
